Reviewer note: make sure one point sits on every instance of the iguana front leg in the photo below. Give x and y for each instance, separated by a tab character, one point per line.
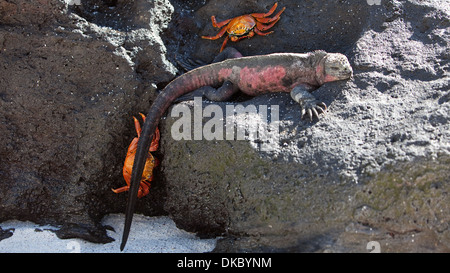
310	105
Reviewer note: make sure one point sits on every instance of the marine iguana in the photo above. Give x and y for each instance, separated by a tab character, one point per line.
297	73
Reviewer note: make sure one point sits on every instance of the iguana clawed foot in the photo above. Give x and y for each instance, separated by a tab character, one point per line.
312	111
311	107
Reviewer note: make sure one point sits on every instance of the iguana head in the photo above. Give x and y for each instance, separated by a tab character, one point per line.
333	67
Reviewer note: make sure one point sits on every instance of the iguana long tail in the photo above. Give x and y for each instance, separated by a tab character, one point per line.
184	84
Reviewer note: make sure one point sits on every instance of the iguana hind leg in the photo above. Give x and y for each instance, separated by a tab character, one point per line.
227	53
223	93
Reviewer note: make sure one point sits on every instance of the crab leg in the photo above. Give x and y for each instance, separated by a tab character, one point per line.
270	20
155	141
263	27
262	33
249	35
142	116
137	126
122	189
220	34
224	43
219	24
262	15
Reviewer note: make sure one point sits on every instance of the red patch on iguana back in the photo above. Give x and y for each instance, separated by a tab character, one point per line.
225	73
257	80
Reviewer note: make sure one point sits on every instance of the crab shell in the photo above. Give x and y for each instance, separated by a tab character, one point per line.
241	27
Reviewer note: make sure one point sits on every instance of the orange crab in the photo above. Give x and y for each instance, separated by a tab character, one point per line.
245	26
150	163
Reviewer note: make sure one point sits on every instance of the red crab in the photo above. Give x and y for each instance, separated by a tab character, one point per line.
150	163
245	26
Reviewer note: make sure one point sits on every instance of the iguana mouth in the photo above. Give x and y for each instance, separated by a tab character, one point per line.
347	73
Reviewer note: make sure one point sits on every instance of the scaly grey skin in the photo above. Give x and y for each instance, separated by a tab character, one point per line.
296	73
